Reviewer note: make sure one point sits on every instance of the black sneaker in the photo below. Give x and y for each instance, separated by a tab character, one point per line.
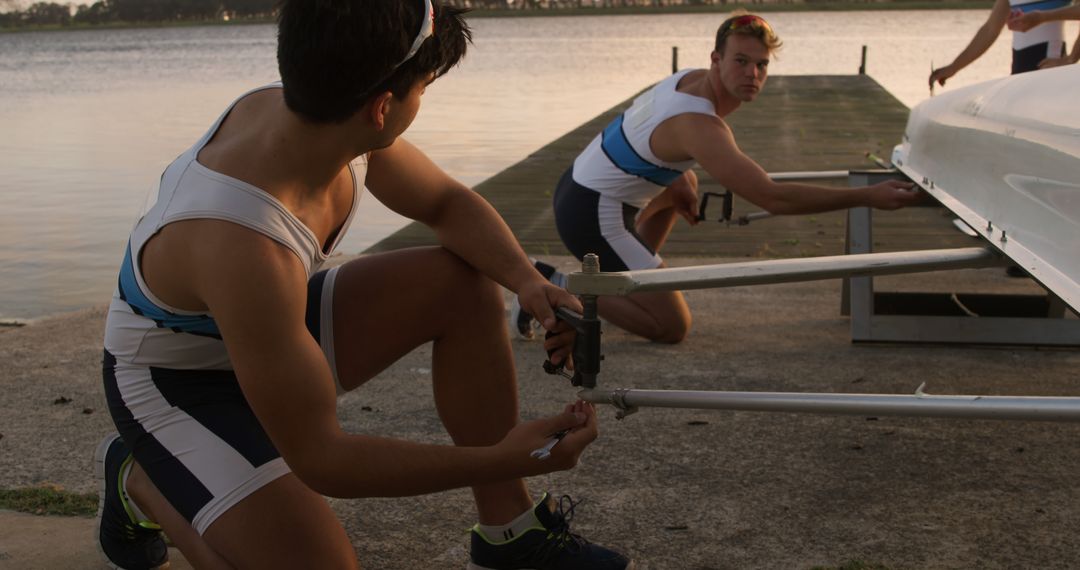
125	543
547	545
521	322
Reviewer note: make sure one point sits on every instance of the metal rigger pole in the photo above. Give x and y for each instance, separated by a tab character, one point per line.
919	404
591	283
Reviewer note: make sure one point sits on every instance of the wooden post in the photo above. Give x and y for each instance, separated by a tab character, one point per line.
674	59
862	64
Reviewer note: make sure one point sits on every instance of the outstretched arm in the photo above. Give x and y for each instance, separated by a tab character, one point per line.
406	180
709	141
256	290
984	38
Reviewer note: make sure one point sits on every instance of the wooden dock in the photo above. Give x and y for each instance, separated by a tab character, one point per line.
798	123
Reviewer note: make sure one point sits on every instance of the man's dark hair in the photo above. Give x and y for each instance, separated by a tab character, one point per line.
334	55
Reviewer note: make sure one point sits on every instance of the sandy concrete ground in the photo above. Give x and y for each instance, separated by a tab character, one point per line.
677	489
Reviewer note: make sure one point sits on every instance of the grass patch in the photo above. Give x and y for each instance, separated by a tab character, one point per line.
49	500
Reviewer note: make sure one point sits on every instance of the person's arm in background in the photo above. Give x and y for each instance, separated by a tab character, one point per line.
1021	22
984	38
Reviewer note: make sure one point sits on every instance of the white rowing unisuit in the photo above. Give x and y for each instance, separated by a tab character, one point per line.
619	163
167	375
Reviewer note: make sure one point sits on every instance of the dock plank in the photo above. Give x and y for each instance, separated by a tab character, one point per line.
798	123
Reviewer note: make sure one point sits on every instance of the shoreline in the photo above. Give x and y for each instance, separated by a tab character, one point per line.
561	12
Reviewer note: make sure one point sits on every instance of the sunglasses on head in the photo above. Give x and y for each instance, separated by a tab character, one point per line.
752	21
427	29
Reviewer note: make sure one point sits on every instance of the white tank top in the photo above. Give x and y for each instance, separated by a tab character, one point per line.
1053	33
141	329
619	163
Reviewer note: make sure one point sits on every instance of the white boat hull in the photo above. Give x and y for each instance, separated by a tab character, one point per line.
1004	156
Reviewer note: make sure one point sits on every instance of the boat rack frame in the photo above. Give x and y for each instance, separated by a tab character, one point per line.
858	268
1007	319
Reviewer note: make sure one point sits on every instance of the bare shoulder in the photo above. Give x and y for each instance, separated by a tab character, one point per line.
696	130
682	136
187	259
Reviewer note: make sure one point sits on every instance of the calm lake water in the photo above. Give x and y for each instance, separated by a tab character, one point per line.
88	119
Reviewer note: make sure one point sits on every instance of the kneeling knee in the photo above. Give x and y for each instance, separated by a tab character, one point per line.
672	331
672	335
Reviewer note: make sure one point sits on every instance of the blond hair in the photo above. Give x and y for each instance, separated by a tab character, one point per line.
744	23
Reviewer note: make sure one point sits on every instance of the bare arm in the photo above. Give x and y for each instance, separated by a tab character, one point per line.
710	142
1021	22
256	290
406	180
984	38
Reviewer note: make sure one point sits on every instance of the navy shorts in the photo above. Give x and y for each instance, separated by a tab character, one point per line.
1027	59
193	431
589	222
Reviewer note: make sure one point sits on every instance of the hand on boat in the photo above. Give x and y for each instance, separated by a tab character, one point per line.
893	194
941	74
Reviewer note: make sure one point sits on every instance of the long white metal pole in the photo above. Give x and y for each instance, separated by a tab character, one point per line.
920	404
810	175
779	271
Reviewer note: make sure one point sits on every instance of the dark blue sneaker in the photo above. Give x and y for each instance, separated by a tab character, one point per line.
547	545
125	543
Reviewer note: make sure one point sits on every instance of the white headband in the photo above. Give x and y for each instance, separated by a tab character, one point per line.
427	29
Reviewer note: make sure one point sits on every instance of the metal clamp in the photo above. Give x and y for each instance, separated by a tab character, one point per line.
727	210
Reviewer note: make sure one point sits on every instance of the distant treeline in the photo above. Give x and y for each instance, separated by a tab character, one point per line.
121	12
43	14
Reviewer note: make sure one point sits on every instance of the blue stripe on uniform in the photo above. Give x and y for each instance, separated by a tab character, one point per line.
203	325
619	151
1042	5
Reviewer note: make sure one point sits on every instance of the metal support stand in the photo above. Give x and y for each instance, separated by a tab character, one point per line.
943	318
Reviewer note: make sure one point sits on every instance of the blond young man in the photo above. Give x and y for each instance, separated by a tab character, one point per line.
623	194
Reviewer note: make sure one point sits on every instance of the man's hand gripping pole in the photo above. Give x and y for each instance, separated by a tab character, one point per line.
586	350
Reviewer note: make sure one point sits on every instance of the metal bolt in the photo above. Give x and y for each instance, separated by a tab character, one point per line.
1003	238
591	263
989	226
